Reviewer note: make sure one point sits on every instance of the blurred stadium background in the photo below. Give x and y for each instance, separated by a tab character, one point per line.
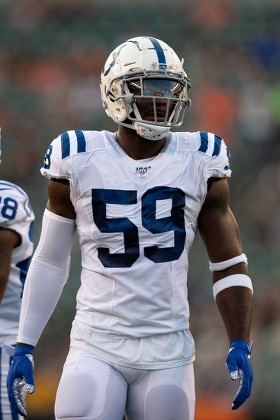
51	55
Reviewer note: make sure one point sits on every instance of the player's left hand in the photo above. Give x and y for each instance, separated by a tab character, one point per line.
20	379
239	366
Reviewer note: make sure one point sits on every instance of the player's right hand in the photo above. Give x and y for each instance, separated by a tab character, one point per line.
20	379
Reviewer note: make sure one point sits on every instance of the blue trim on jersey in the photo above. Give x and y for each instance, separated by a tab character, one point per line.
31	231
229	157
10	185
159	51
217	146
81	141
23	267
65	145
204	141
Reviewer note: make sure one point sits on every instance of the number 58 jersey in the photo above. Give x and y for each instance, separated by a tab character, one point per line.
136	221
15	214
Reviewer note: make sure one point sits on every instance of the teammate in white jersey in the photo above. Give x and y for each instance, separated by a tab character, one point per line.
136	199
16	247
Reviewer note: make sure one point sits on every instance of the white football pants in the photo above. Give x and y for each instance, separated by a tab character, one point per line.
91	389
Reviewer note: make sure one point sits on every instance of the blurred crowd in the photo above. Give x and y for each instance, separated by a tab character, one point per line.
51	56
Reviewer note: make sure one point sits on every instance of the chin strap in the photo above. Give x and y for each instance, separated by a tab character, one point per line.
150	132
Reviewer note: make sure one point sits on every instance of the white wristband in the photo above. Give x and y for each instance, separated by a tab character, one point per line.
223	265
230	281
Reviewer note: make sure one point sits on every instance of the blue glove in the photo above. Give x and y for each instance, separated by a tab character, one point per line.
20	379
239	367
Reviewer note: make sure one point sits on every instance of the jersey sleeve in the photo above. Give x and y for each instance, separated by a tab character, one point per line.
15	209
217	156
53	161
60	150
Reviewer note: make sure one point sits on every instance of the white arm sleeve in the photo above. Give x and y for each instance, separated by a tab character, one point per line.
47	275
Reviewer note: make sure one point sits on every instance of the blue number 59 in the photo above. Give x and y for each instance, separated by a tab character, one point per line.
174	222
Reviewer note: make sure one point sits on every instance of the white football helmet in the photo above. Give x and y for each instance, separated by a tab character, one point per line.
144	87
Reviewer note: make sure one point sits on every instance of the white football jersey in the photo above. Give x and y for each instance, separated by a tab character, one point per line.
15	214
136	222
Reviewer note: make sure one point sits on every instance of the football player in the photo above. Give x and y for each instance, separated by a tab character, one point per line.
136	198
16	247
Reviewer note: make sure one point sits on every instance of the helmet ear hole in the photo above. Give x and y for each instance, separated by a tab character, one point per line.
120	111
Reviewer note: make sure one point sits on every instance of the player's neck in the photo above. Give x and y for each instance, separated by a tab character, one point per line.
137	147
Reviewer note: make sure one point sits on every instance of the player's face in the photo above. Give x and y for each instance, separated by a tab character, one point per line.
154	98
